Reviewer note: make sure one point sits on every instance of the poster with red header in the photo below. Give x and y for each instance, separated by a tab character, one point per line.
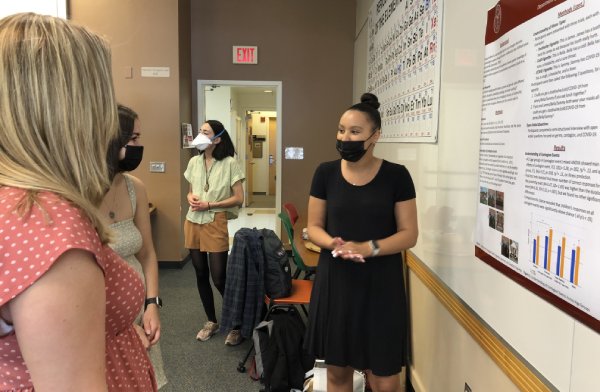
538	218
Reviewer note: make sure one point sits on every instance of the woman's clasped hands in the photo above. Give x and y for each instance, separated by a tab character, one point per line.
196	204
353	251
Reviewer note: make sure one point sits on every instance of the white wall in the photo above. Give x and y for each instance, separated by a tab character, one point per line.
256	101
44	7
445	357
445	175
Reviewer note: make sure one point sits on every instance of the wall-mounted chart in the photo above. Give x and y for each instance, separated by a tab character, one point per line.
403	67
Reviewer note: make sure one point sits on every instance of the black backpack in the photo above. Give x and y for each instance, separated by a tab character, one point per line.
284	359
278	273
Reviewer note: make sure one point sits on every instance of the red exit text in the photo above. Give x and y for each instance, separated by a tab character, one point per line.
245	55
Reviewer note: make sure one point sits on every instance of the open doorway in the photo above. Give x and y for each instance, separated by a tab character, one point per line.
261	165
251	112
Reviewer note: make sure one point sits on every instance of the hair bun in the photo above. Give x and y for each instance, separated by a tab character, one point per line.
370	99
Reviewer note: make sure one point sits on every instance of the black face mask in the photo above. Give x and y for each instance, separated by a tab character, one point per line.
352	151
133	157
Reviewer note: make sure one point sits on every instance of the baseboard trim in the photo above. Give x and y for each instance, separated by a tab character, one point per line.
516	368
414	381
176	264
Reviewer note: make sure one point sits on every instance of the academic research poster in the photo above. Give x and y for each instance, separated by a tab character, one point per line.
539	167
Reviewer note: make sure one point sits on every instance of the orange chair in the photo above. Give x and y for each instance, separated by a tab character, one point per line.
300	295
291	211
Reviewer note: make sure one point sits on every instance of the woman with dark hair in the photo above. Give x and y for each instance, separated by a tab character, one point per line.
125	207
362	213
215	196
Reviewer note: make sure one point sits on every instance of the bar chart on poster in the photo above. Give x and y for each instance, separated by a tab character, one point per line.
554	252
539	151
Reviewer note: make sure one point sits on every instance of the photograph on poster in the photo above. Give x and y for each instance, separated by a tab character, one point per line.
504	247
500	221
513	254
499	200
491	198
483	194
492	218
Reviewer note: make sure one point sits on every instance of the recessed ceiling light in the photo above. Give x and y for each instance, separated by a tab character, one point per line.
268	91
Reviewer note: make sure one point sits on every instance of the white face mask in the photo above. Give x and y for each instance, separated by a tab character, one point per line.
201	142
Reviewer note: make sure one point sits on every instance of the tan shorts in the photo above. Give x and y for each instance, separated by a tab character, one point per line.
209	237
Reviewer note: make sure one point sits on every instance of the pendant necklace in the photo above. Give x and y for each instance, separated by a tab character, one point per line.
113	206
207	171
111	213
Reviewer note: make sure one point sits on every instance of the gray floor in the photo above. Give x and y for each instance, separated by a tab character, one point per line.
191	365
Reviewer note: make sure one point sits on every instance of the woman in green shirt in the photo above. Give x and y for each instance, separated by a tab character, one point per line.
215	196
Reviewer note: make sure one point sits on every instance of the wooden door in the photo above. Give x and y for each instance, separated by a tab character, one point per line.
272	154
249	161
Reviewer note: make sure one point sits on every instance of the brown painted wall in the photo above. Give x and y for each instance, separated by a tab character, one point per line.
146	33
307	45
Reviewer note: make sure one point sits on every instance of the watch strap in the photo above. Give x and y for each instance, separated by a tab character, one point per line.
153	300
374	248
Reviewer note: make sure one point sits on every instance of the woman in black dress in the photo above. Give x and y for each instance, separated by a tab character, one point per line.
362	213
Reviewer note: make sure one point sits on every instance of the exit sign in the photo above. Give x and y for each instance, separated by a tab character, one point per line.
245	54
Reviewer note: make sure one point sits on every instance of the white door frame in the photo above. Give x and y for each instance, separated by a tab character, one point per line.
277	87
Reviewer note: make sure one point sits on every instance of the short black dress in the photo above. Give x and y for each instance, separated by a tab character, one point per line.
357	313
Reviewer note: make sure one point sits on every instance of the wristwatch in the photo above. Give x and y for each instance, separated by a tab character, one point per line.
374	248
154	300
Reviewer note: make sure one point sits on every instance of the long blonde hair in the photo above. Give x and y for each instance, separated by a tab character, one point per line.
57	111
